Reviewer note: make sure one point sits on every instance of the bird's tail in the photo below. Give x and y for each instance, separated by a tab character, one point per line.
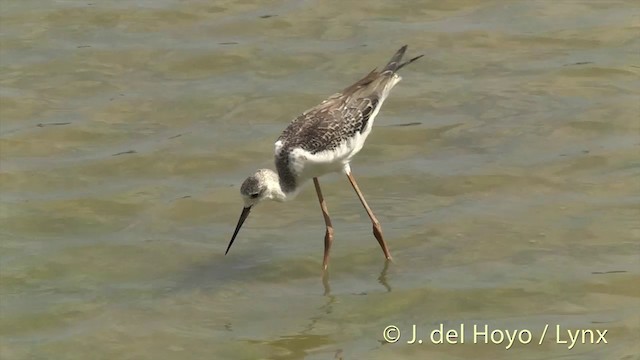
395	63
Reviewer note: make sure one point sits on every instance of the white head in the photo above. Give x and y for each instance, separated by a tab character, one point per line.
264	184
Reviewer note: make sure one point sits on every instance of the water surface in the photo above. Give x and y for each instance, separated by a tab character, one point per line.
504	169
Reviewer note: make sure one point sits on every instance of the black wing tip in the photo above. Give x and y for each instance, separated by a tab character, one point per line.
415	58
409	62
395	64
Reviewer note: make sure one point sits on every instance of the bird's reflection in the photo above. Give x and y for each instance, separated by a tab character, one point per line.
298	343
382	279
325	283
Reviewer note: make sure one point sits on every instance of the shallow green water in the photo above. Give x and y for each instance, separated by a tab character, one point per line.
504	169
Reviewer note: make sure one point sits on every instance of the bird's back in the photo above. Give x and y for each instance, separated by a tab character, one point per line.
336	119
334	131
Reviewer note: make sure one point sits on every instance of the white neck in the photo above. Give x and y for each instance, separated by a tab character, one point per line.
274	187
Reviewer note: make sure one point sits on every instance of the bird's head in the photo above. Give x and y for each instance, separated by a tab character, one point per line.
254	188
263	184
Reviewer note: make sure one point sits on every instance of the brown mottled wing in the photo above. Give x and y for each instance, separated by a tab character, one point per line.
329	124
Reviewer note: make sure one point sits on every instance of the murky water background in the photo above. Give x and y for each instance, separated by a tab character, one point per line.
504	169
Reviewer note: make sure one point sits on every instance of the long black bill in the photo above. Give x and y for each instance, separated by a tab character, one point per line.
243	217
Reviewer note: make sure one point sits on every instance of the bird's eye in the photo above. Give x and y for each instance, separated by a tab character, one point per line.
254	196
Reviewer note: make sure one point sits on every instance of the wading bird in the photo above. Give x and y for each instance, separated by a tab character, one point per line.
322	140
